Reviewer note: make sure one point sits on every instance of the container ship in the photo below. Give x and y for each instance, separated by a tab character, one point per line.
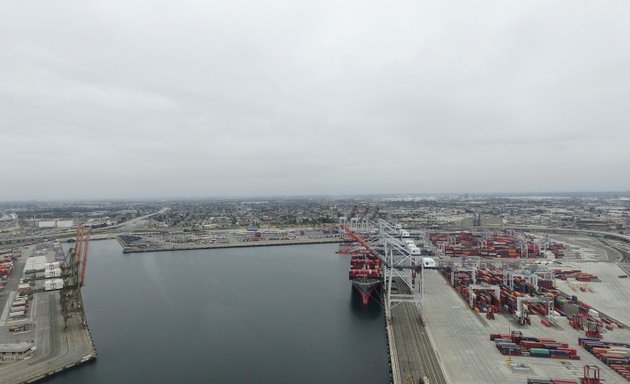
365	275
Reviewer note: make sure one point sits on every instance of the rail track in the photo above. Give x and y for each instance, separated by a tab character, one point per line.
416	357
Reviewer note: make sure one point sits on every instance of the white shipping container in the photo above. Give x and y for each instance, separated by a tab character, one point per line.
53	284
52	266
52	287
52	273
36	263
16	314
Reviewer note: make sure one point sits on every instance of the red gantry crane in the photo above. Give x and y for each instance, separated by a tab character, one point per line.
74	268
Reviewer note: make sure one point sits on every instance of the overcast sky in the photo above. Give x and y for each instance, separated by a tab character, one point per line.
134	98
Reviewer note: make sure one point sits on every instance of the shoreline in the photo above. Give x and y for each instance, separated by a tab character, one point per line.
91	358
269	243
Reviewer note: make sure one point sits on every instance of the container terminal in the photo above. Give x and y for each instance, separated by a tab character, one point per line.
507	303
43	330
496	307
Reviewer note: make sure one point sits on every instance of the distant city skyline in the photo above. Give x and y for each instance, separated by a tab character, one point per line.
136	100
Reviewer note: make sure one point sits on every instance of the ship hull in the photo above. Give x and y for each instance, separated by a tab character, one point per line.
366	288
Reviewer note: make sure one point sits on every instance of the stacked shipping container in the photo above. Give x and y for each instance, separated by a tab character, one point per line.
485	244
614	354
517	345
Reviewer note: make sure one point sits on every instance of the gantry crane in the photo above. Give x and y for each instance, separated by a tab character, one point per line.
374	214
399	265
353	212
73	273
591	375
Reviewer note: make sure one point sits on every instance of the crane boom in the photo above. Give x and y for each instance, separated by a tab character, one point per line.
84	261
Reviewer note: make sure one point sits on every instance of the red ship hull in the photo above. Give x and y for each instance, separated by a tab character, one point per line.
366	288
365	272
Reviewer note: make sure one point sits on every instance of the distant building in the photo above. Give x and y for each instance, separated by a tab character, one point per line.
8	217
47	224
55	224
65	223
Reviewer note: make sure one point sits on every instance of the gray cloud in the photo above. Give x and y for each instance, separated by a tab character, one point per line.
155	98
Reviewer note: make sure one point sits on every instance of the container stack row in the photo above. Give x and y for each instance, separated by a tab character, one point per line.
532	346
486	244
365	266
7	262
588	319
508	298
614	354
19	307
575	274
59	255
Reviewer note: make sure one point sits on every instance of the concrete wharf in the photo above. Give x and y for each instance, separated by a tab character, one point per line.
64	350
411	351
57	348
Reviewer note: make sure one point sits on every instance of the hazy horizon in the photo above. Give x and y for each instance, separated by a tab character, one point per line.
160	100
558	194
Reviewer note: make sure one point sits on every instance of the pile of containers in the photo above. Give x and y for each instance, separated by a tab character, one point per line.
557	249
508	298
6	268
483	300
484	244
588	319
614	354
575	274
364	266
19	306
59	255
517	345
53	284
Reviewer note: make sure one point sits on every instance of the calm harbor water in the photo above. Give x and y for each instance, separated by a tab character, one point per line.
260	315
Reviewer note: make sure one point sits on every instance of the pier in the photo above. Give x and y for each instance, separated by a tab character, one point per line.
413	358
412	354
62	350
53	319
